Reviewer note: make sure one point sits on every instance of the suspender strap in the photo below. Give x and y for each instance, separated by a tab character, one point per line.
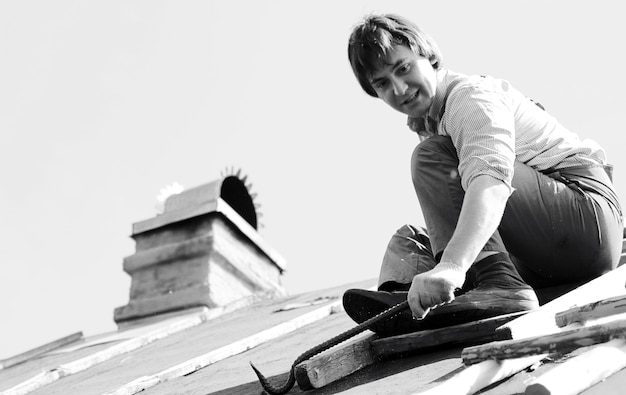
445	98
451	86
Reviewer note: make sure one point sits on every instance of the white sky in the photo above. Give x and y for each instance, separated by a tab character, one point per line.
103	103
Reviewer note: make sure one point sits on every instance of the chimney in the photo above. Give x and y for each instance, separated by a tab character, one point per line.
203	251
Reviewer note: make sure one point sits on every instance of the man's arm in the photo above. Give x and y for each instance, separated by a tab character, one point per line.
481	213
483	207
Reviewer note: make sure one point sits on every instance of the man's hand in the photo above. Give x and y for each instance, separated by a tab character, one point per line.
434	288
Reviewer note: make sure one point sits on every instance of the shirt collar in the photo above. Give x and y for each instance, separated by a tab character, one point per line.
424	123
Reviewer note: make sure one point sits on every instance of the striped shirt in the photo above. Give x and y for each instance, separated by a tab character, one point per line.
492	125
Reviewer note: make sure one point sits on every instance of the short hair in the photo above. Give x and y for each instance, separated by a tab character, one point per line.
373	38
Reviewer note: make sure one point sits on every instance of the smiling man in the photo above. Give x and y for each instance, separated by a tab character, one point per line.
513	201
405	81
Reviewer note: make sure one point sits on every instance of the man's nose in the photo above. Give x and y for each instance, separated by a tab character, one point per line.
399	86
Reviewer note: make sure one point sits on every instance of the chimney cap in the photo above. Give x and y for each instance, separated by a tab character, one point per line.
230	189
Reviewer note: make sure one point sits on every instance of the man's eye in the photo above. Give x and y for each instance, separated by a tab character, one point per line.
381	84
404	68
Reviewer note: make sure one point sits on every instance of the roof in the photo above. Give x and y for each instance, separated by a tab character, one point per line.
270	333
208	351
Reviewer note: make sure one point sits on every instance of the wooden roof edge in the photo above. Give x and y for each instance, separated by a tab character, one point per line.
41	379
40	350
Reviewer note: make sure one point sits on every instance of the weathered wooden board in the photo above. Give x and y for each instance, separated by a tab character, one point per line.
518	383
336	364
582	371
541	321
76	363
613	384
35	352
472	332
17	374
481	375
601	308
561	342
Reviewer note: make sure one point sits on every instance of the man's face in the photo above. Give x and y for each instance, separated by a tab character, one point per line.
405	81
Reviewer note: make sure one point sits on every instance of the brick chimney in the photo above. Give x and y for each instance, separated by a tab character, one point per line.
203	251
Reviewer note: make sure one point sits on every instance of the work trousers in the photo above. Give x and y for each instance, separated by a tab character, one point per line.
559	227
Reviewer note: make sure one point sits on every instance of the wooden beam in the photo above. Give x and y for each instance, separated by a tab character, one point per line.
595	310
476	377
582	371
541	321
332	365
35	352
472	332
561	342
336	364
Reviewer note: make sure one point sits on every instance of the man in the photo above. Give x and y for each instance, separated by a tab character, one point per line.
513	201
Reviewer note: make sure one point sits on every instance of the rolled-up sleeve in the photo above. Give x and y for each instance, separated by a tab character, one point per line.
480	120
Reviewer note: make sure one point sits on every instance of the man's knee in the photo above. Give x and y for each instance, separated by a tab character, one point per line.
434	146
408	254
436	154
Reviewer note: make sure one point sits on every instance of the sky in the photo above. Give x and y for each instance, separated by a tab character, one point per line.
104	103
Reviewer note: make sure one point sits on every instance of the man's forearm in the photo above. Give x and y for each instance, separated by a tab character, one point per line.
480	216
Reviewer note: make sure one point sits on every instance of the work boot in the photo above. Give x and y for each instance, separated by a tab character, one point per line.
500	290
361	305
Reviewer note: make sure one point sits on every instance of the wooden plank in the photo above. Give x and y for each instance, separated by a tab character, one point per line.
472	332
582	371
476	377
541	321
35	352
518	383
561	342
595	310
19	373
332	366
613	384
226	351
49	376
